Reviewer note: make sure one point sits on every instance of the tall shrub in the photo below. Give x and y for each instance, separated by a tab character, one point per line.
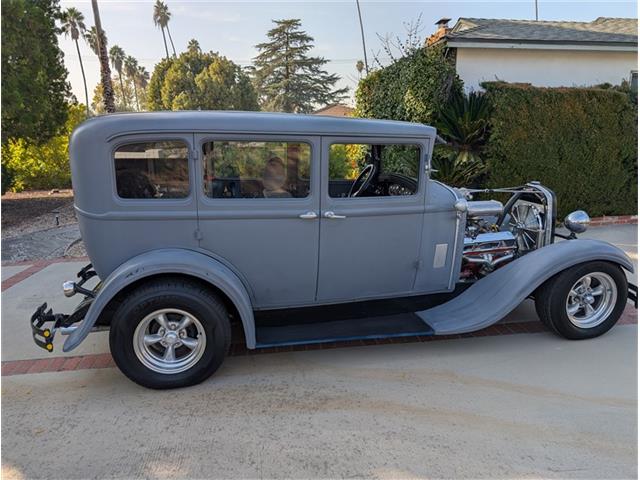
415	88
32	167
581	142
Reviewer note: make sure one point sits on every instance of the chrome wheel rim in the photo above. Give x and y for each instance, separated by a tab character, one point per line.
591	300
169	341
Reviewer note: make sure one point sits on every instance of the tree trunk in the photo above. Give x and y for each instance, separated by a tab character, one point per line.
105	71
164	38
84	79
135	91
171	40
124	96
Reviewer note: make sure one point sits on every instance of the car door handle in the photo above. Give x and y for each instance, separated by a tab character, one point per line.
308	215
332	215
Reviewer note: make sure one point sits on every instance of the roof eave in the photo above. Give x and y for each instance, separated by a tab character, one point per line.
455	42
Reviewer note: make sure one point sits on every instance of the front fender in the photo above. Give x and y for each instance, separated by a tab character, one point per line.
491	298
170	260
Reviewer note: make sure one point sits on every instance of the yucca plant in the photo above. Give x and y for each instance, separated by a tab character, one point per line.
464	125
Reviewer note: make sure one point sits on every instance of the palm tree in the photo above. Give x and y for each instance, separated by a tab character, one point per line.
73	25
193	45
91	37
105	71
360	67
163	15
117	60
161	19
142	78
131	69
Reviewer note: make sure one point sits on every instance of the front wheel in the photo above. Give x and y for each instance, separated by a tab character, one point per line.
170	333
583	301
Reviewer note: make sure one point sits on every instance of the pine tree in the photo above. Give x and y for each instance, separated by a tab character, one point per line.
287	79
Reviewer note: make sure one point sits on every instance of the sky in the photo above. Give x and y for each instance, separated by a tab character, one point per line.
233	28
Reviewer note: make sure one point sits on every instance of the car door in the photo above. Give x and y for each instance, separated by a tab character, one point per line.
369	246
258	211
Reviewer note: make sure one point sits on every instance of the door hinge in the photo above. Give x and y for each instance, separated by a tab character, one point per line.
197	234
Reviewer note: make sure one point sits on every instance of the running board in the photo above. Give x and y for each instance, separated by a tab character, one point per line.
388	326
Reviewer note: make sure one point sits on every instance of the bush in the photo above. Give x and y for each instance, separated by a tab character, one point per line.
580	142
414	88
7	178
39	167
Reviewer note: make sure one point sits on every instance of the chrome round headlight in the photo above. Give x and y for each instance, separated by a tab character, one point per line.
577	221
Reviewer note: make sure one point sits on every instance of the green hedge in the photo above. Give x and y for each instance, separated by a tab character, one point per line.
413	89
581	142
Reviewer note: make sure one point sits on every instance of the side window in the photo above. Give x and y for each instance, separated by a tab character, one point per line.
246	169
373	170
152	170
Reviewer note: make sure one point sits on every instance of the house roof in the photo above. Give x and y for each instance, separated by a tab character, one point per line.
602	31
335	110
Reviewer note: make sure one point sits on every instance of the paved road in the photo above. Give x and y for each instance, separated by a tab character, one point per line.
530	405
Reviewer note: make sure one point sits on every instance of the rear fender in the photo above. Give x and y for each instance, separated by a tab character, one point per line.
491	298
170	260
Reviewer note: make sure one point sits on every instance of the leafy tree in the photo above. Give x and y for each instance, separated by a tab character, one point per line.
31	166
117	62
289	80
197	80
73	26
161	17
154	90
34	79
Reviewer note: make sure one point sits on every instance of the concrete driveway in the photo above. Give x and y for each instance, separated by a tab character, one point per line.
517	405
530	405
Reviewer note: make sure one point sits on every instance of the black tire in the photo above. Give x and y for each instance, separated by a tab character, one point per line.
551	300
170	293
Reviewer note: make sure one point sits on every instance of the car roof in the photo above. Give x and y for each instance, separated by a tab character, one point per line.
105	127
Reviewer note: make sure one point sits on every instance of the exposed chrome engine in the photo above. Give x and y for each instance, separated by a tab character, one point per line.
497	233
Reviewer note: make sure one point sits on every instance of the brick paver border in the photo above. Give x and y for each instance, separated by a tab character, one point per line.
614	220
104	360
34	267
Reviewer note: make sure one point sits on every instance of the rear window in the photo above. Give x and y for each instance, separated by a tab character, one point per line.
256	169
152	170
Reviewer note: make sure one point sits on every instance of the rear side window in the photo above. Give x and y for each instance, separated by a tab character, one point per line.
152	170
246	169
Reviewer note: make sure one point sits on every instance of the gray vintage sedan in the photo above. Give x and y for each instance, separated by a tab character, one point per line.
305	229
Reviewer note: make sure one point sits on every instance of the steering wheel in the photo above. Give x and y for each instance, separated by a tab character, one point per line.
364	178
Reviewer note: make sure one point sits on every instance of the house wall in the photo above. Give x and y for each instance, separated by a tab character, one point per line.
544	68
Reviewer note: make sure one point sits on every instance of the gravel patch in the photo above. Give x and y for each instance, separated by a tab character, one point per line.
39	225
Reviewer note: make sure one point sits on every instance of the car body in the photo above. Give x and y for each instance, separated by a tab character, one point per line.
278	215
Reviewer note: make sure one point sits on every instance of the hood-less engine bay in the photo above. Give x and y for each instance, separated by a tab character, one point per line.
497	233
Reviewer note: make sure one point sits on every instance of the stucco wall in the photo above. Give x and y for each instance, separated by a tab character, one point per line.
546	68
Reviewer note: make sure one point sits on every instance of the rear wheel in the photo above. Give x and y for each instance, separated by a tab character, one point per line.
583	301
170	333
